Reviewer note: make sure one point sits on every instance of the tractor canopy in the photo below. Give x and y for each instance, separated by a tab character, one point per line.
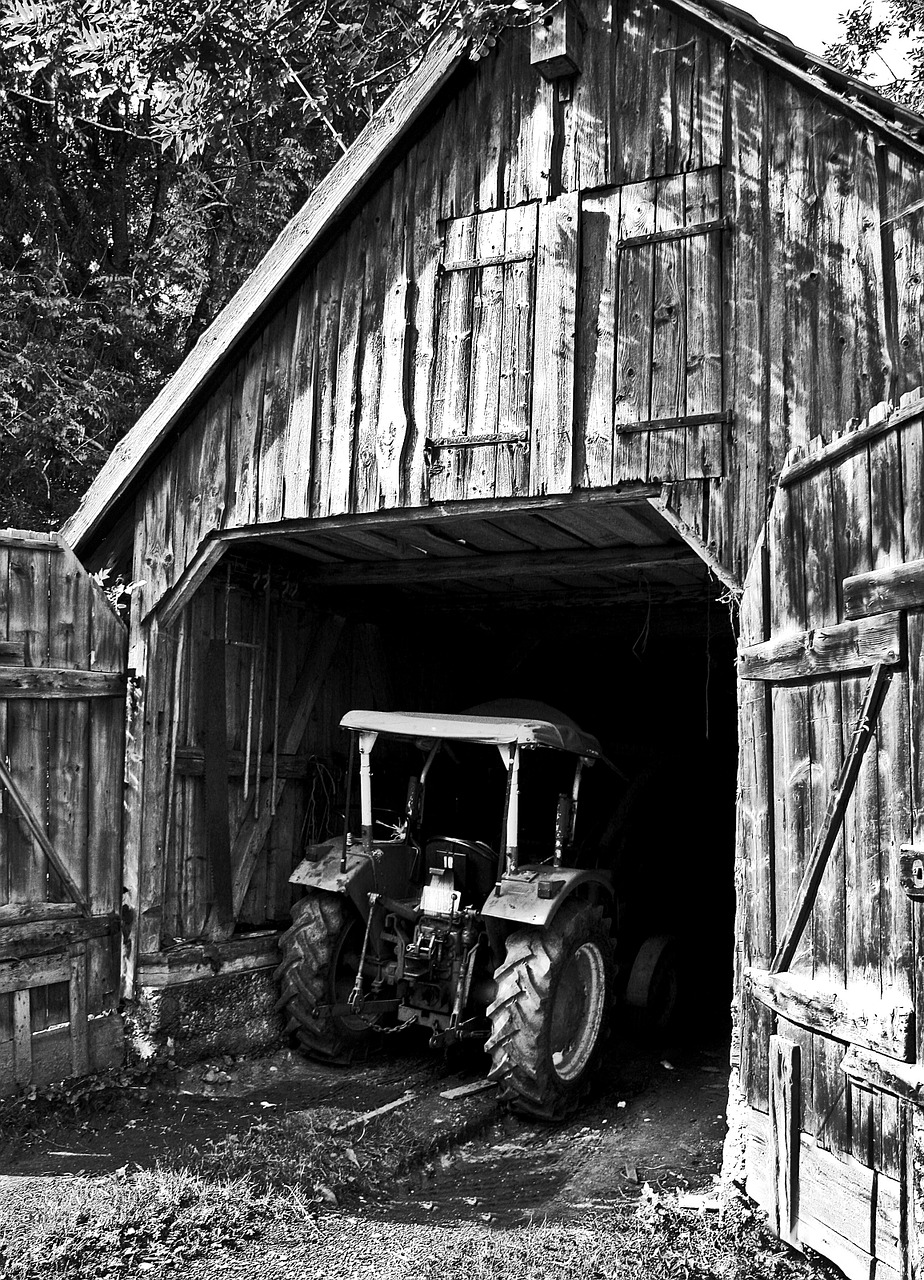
522	726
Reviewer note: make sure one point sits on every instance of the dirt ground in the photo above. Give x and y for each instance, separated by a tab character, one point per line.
420	1177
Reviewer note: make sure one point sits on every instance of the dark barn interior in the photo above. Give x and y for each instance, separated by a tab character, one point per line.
639	653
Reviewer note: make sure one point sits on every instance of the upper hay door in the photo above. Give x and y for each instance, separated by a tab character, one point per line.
650	393
501	424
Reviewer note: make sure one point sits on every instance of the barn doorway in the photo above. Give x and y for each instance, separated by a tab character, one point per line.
600	610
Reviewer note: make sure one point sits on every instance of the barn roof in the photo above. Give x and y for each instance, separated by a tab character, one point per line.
359	167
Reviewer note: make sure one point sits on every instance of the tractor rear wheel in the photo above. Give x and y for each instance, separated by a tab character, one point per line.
549	1017
320	957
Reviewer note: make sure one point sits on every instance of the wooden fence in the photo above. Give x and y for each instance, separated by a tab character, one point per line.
62	717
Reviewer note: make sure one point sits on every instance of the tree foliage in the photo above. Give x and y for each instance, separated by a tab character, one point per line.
150	150
861	47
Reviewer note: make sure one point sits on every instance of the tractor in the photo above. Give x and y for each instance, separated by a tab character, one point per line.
500	930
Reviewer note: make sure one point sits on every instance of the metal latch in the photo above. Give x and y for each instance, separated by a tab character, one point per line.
911	868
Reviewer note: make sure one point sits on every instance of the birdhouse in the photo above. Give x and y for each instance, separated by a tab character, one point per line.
555	48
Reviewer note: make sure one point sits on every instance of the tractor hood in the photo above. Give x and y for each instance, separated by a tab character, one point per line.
561	735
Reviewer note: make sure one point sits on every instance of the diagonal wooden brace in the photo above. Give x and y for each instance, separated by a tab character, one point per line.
833	820
37	831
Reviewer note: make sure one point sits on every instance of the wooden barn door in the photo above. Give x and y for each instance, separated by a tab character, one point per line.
827	938
62	716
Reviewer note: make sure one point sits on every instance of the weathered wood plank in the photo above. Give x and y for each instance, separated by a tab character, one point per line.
479	466
597	340
826	650
58	683
828	829
298	449
667	450
884	590
77	1008
785	1110
375	219
514	564
517	351
424	258
551	451
857	1017
452	375
395	397
218	835
632	402
703	301
34	971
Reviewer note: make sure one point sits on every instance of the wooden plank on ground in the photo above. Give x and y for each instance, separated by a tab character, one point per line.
826	650
856	1017
785	1111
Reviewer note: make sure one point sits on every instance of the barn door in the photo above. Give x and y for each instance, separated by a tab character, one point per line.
822	775
62	712
503	398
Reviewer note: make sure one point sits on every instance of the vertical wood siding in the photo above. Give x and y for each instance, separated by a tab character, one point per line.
805	310
858	514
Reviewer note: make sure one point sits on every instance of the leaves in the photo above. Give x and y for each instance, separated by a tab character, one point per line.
150	151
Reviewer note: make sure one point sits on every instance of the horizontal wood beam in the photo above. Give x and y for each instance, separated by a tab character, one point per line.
825	651
516	564
61	682
865	1020
12	653
874	1071
33	971
632	493
195	961
190	762
885	590
846	445
177	597
36	932
23	540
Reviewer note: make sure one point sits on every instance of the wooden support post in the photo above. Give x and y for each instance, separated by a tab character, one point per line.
80	1047
22	1037
218	832
140	640
785	1092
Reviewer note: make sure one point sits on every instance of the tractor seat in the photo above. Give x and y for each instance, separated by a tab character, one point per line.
473	863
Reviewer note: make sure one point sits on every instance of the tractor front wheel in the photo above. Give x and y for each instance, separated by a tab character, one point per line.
320	957
548	1019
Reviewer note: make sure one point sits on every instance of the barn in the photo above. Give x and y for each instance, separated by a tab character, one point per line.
591	372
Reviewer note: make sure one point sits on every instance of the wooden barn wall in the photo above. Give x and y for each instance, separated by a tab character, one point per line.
62	717
859	514
803	312
268	635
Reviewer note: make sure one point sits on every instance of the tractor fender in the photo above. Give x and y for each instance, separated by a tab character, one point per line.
534	895
385	870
